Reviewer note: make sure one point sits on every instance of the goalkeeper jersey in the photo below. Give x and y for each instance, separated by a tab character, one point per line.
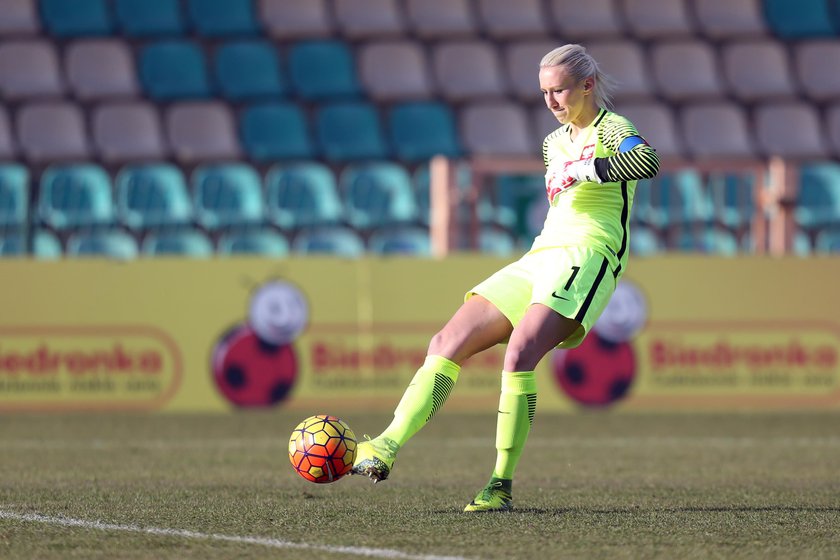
591	214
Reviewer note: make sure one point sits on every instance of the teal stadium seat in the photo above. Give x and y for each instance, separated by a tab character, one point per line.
263	242
331	240
177	243
14	195
142	18
248	70
707	240
421	130
276	131
350	131
223	18
323	70
302	195
152	195
110	244
420	182
174	69
497	242
227	195
827	241
644	241
404	240
377	194
672	199
801	19
76	195
818	202
510	202
77	18
733	199
45	246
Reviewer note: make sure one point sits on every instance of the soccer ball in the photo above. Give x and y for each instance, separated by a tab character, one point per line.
322	448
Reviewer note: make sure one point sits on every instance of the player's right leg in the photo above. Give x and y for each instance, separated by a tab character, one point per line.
476	326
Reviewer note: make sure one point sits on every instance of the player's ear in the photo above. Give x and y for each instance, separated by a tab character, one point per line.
588	85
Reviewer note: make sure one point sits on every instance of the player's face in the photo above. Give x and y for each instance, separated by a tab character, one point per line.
565	96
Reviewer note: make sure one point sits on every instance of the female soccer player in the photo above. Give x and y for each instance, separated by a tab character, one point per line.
550	297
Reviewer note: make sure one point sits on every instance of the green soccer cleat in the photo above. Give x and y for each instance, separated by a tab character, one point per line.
375	458
496	496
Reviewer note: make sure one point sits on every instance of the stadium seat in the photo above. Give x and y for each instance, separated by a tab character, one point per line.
394	70
543	121
19	17
100	68
625	62
227	195
503	19
711	241
466	70
45	246
14	195
657	19
113	244
110	123
495	241
350	131
789	129
8	145
377	194
672	199
818	199
522	60
827	241
247	70
733	199
75	19
498	128
512	200
656	123
334	240
174	69
730	19
420	183
421	130
262	242
141	18
323	70
833	125
644	241
276	131
758	70
296	19
199	131
818	68
363	19
52	131
578	20
302	195
152	195
435	19
29	68
799	19
686	70
75	196
402	240
222	18
717	129
177	243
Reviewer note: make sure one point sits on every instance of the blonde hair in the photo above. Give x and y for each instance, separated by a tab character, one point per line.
581	65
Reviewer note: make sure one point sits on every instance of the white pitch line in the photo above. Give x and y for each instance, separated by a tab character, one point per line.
180	533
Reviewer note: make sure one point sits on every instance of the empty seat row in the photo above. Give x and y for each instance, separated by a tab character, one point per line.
214	197
426	18
399	69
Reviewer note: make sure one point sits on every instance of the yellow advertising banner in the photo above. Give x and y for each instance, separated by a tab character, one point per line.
681	333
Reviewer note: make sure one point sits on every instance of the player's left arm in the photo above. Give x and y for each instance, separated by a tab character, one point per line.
633	157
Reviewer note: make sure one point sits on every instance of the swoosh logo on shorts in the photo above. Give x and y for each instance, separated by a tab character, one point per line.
554	293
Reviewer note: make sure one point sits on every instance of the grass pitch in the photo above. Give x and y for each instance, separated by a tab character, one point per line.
590	485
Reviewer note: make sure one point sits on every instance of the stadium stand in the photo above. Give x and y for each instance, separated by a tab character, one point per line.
294	119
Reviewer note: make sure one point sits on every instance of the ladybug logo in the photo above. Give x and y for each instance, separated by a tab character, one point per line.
254	363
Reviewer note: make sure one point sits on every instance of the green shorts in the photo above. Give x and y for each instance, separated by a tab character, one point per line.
576	282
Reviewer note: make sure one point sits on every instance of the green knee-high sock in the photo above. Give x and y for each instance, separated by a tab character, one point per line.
517	405
424	396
